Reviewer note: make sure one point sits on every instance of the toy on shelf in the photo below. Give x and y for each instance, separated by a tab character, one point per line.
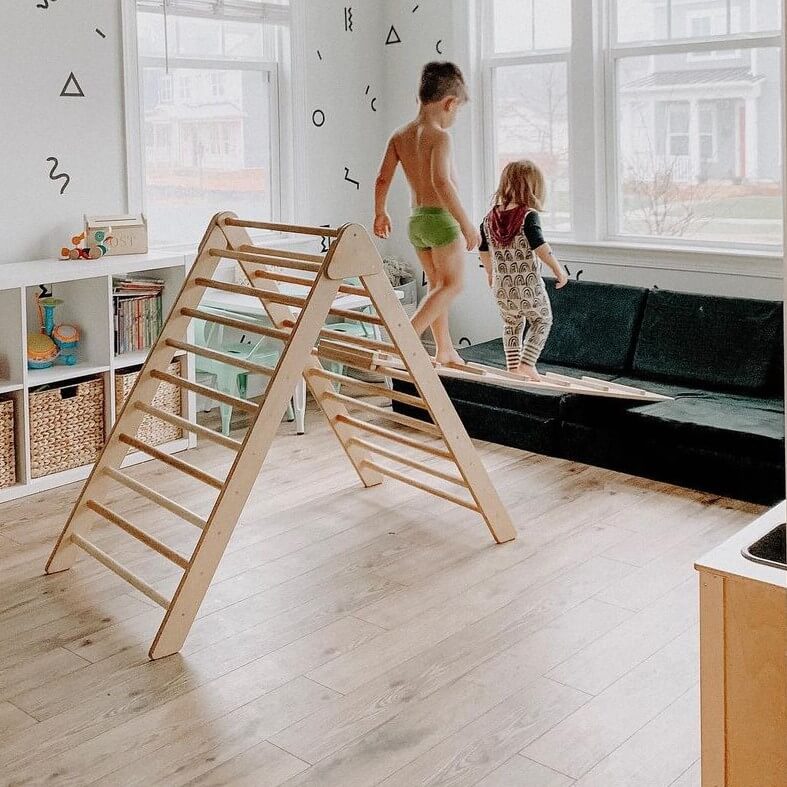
41	351
52	343
87	247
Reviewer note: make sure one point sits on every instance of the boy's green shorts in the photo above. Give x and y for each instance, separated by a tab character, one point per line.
432	227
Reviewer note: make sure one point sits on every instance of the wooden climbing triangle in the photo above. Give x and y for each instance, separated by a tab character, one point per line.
299	322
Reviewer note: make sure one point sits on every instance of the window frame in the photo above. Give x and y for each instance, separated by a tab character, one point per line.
283	131
593	148
684	46
490	63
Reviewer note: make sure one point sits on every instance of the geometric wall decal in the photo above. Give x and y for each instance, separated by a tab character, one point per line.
437	47
103	35
61	176
348	18
393	37
72	88
318	118
349	179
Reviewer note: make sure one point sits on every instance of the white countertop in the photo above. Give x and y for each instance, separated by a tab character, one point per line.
727	559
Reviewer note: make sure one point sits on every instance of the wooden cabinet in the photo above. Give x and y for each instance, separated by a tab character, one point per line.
743	647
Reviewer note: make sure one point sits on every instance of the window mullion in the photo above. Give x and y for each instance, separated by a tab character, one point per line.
584	127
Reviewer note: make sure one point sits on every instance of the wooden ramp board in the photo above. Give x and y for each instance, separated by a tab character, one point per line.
550	382
299	323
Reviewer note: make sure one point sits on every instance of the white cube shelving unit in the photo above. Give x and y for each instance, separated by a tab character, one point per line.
86	289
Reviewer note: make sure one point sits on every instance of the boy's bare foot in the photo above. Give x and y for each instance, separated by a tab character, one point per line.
528	372
450	358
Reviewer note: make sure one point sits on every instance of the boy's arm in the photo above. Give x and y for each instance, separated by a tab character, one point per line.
382	185
444	186
544	253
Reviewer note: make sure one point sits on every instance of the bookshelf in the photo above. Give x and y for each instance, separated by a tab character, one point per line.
86	289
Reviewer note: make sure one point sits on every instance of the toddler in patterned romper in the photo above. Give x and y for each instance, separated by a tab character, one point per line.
512	250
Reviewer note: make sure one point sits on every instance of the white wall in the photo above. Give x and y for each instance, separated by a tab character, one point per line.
39	48
336	86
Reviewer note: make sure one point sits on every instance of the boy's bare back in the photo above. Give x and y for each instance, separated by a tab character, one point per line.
416	145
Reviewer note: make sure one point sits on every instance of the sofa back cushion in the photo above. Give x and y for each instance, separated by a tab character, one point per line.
709	340
595	325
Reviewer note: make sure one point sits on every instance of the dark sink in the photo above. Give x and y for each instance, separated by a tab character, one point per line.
771	549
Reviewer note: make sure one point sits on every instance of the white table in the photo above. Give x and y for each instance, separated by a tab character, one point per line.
250	306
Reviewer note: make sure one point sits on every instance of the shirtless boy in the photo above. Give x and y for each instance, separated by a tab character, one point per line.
438	221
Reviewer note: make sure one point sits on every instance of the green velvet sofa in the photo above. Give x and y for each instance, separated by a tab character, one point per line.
720	358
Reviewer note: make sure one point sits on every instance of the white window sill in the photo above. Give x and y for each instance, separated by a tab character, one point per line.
700	259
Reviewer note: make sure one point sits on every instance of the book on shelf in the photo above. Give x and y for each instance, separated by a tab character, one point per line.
138	313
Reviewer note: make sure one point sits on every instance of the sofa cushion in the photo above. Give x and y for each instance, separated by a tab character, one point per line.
725	423
732	424
720	343
595	325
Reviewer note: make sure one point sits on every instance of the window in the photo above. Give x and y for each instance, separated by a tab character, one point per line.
209	93
697	110
526	67
653	120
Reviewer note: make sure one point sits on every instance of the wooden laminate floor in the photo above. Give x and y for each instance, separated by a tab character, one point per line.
362	637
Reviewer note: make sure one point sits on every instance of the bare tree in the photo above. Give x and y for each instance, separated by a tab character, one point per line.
667	202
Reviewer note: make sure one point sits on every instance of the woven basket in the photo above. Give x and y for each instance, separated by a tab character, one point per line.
153	431
66	427
7	455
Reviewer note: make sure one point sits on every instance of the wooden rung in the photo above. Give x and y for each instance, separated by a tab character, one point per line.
287	300
394	437
190	426
228	358
172	461
404	420
281	261
287	255
227	286
356	316
432	490
358	341
348	289
241	325
406	460
121	571
394	373
325	232
204	390
140	535
378	390
366	359
170	505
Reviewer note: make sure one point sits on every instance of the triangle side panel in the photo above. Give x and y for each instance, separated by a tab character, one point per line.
441	408
129	418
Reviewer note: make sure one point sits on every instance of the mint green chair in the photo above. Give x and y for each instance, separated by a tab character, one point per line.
229	379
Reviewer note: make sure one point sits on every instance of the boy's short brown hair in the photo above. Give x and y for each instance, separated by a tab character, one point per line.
441	79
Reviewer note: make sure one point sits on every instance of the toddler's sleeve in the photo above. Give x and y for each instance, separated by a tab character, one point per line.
532	229
484	246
